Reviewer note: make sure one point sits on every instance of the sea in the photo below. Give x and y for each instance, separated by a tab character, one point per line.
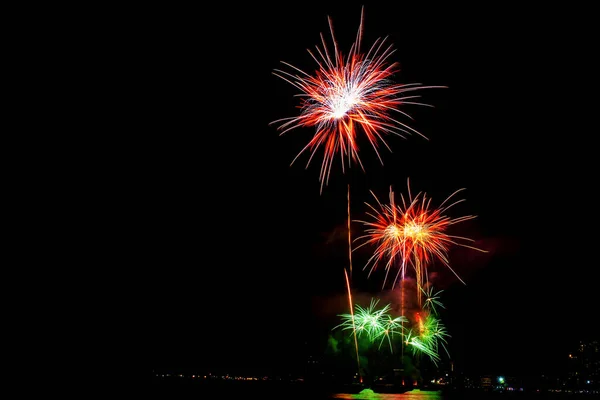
274	391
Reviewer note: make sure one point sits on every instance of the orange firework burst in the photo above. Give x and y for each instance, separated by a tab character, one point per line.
412	233
345	95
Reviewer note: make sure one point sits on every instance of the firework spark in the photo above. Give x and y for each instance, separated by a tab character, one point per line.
347	95
412	233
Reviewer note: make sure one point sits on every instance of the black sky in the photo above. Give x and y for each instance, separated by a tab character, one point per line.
245	257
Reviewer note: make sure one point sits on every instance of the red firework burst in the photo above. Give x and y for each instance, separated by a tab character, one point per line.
412	233
347	95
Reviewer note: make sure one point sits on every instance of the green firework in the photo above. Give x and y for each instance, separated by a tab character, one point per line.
374	324
427	339
432	299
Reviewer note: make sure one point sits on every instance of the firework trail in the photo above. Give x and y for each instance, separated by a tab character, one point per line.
413	233
349	236
347	95
353	323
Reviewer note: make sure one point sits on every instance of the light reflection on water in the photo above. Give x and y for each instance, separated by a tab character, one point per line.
368	394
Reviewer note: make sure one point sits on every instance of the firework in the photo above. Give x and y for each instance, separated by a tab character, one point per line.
385	232
348	95
429	337
375	324
412	233
432	299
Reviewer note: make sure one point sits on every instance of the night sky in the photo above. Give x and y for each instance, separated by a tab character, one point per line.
244	255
